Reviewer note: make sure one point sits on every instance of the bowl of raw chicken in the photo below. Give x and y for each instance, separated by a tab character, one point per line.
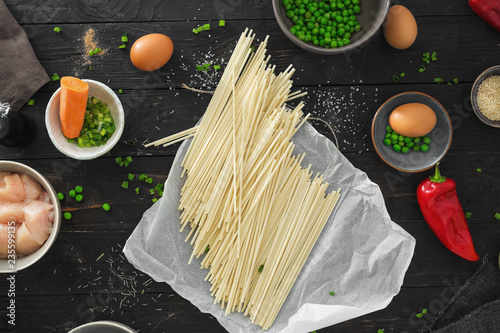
30	216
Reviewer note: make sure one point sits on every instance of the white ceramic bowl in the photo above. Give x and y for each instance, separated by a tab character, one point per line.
26	261
103	327
53	123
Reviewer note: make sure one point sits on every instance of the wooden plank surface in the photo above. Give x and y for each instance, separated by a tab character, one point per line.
80	280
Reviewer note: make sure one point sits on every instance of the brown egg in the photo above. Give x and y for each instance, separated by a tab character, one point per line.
151	52
400	27
412	119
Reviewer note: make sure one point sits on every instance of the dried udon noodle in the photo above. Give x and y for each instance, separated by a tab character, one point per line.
253	212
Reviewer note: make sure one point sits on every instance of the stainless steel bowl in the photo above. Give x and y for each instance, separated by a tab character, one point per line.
103	327
26	261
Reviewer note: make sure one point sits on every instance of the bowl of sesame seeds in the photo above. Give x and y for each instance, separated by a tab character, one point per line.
485	96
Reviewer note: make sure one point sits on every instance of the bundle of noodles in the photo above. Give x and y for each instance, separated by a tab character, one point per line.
253	212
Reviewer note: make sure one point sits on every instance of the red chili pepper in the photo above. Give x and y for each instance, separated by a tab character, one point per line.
488	10
438	201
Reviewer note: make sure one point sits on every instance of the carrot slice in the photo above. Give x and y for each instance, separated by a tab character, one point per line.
73	101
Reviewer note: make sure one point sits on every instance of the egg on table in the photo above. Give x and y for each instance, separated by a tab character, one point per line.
413	119
400	27
151	52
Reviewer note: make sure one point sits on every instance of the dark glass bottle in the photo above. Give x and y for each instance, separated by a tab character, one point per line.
16	129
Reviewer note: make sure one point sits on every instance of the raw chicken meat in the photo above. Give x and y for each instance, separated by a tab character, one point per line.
11	188
3	240
22	200
32	189
25	242
11	212
39	217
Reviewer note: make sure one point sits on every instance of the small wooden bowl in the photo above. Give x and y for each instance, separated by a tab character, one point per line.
495	70
103	326
413	161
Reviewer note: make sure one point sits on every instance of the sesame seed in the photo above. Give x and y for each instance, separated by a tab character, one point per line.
488	97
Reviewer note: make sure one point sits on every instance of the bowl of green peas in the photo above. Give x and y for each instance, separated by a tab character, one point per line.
330	26
410	154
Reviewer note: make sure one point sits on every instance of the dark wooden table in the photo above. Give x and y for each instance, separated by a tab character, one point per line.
81	278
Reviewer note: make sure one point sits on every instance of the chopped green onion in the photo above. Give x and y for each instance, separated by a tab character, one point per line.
154	200
124	38
122	46
152	191
261	268
455	80
424	311
125	184
206	27
438	80
216	67
449	83
131	143
252	48
55	77
222	23
78	189
332	293
402	75
479	170
131	176
497	216
468	215
72	193
67	215
395	78
143	177
129	159
380	331
120	91
79	197
60	196
207	249
57	29
434	56
136	190
195	30
90	67
419	315
106	207
149	180
421	68
31	102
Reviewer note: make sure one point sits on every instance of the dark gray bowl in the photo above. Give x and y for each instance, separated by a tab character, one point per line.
413	161
373	13
495	70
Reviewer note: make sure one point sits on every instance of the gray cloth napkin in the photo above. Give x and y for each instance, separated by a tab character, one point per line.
21	74
475	308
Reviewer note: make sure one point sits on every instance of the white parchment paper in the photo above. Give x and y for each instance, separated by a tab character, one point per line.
361	254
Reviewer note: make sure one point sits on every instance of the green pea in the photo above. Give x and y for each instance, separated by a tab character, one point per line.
408	140
396	148
416	147
416	140
340	43
67	215
357	28
394	142
72	193
404	150
424	147
290	13
394	136
339	19
346	41
426	140
388	129
333	45
316	42
410	144
341	32
387	142
401	137
356	9
401	143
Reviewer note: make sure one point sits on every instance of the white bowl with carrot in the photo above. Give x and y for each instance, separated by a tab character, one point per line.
84	118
